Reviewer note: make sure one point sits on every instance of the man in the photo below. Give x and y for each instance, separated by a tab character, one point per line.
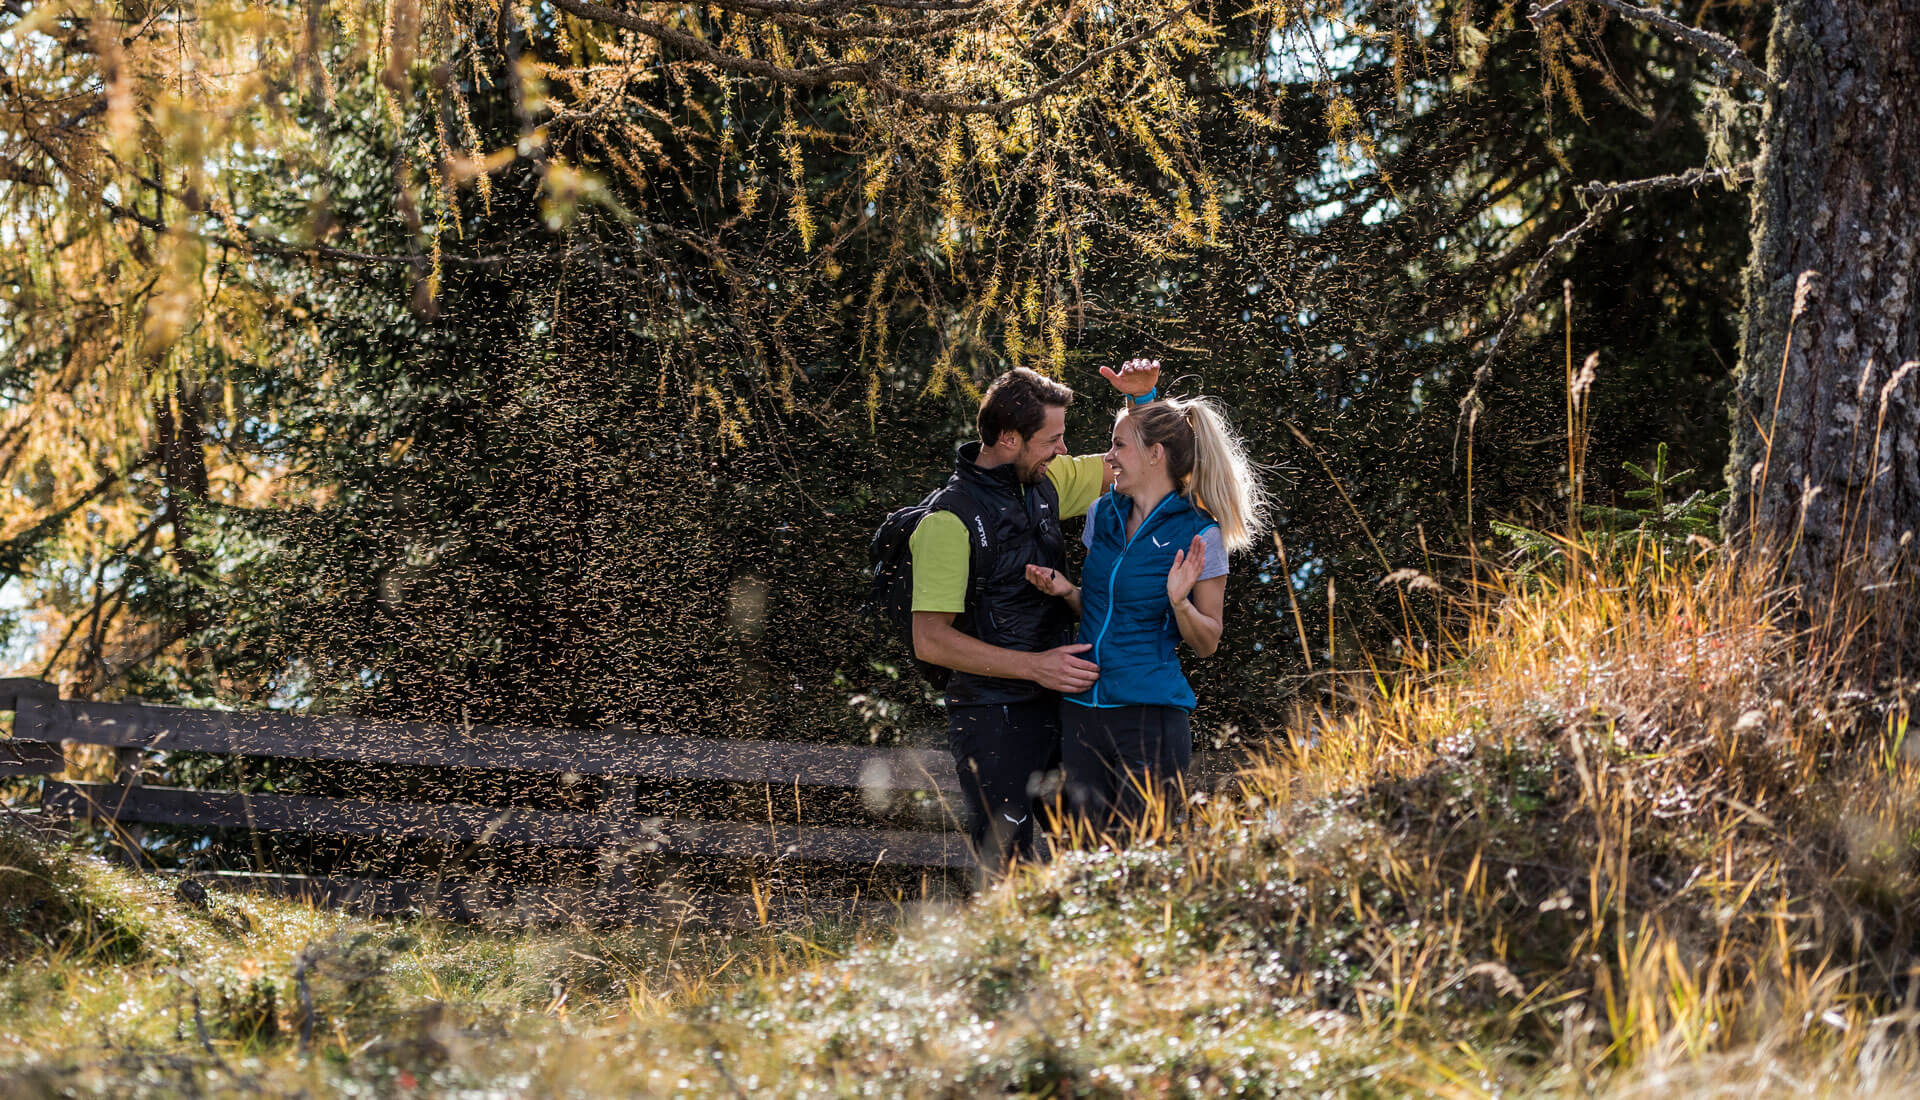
1008	649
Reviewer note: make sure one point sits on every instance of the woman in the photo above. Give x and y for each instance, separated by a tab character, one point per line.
1184	495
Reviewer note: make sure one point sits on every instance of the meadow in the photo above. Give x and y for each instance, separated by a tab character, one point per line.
1635	825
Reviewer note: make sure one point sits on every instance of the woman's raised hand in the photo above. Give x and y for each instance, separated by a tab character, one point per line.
1185	573
1135	378
1050	581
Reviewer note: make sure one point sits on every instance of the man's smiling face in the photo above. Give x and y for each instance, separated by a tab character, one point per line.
1045	445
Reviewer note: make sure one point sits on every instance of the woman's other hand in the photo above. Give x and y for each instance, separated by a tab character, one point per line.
1187	565
1050	581
1135	378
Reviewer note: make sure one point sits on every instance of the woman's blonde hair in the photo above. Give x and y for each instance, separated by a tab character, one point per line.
1209	463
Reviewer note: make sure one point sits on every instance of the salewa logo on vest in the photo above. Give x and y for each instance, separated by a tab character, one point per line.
1157	542
980	527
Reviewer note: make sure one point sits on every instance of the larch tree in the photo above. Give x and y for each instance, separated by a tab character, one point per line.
946	185
973	152
147	148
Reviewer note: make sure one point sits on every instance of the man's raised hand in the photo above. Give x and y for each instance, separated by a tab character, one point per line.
1058	669
1135	378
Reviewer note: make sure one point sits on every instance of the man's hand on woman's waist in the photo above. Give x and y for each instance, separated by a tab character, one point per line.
1061	669
937	641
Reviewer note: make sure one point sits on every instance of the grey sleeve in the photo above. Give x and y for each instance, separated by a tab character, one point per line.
1216	553
1086	529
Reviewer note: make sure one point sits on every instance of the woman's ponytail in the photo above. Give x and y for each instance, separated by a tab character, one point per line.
1208	461
1224	481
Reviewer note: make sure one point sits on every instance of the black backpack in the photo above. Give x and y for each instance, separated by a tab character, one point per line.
891	555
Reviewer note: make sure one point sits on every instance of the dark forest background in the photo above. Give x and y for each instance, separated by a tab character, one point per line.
622	463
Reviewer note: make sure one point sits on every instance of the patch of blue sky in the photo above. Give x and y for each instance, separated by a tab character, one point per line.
1314	218
1382	209
1311	49
1304	574
21	641
293	688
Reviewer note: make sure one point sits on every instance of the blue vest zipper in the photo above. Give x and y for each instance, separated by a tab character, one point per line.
1126	542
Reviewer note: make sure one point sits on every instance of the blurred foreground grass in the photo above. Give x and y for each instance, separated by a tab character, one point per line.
1637	829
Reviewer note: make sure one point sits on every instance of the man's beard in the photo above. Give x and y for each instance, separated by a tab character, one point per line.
1031	475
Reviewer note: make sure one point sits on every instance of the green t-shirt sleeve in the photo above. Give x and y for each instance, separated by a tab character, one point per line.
1079	480
940	557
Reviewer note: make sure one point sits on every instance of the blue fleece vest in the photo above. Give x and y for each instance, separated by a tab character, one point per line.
1125	615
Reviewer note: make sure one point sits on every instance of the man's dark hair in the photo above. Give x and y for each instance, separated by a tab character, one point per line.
1018	400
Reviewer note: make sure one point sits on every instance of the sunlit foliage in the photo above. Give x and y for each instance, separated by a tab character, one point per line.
250	237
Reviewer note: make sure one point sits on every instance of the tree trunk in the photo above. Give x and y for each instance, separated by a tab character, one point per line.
183	462
1826	457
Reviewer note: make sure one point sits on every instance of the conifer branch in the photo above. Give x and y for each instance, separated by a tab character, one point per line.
1714	45
27	175
831	8
256	243
248	241
1470	405
864	73
1692	179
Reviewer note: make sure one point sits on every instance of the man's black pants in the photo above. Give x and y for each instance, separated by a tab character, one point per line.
1005	755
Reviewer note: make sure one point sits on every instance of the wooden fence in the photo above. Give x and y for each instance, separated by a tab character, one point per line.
616	760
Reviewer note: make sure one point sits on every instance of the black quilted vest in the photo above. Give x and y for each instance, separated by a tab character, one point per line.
1003	609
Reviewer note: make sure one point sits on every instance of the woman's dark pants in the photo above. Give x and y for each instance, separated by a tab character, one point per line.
1112	756
1005	755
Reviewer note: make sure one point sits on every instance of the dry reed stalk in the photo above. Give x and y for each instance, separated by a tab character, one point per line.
1293	600
1802	290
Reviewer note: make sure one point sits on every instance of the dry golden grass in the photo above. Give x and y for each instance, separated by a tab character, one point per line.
1664	829
1629	829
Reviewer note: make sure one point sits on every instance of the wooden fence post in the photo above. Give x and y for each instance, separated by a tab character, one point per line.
30	701
619	797
607	769
129	837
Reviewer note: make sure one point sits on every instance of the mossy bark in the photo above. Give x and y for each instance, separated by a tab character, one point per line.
1826	455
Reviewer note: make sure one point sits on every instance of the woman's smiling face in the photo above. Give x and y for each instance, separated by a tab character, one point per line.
1127	460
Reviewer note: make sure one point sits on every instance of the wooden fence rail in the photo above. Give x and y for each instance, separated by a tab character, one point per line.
43	722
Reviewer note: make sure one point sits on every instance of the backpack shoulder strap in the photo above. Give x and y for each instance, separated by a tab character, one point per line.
952	498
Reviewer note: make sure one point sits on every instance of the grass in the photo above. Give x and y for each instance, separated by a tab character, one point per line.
115	985
1630	830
